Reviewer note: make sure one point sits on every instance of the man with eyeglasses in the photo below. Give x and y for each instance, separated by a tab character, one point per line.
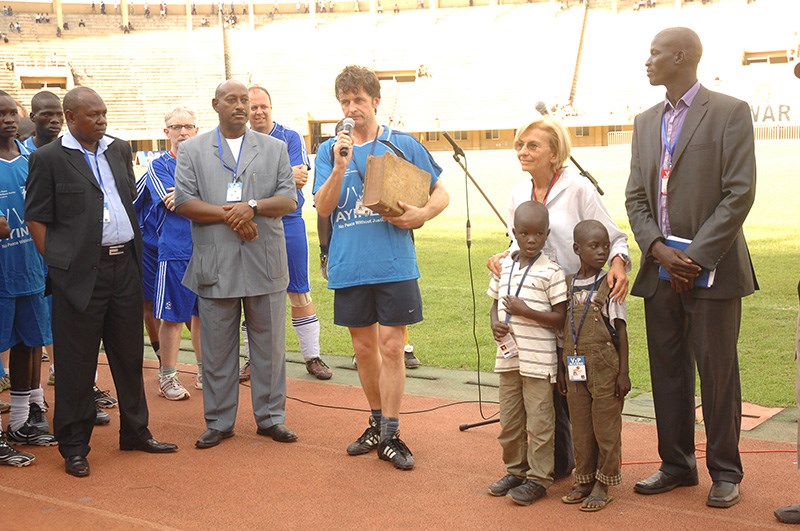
173	303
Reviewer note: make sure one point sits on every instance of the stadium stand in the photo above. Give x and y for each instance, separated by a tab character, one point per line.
466	69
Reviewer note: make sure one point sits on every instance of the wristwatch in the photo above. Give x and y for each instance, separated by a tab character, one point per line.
254	205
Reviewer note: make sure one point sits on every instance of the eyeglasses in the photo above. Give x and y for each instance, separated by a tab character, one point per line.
178	127
530	146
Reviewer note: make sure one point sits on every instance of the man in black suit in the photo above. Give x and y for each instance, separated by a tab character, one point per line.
79	206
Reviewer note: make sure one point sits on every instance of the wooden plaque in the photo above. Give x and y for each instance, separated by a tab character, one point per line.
390	179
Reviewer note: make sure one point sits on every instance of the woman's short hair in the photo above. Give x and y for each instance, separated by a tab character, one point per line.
556	133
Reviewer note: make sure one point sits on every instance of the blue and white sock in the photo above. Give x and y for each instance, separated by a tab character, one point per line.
307	330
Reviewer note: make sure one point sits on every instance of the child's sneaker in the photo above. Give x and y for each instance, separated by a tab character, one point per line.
171	388
103	398
505	484
13	457
527	493
36	418
397	452
32	435
368	441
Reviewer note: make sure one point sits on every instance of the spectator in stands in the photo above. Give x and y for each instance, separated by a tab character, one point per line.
543	148
228	221
99	283
380	7
58	32
17	27
66	26
94	9
5	10
47	18
244	10
194	8
102	7
9	65
297	7
116	6
204	22
174	303
421	4
304	315
380	297
396	8
81	23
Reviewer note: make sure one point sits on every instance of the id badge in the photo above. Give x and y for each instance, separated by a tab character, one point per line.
508	346
664	181
234	192
106	213
576	368
362	210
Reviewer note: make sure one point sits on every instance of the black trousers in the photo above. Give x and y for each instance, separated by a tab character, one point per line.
115	315
683	330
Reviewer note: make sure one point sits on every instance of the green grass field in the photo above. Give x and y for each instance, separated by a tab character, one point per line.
446	338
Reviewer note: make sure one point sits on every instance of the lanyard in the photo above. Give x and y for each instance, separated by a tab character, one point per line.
95	168
234	170
670	149
549	187
371	152
521	281
576	333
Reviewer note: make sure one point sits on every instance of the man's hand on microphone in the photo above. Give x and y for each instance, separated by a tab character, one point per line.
412	218
343	140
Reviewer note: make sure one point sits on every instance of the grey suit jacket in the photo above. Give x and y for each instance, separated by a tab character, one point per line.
710	191
63	193
222	264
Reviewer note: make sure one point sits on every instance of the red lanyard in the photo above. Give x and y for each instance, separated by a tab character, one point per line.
549	187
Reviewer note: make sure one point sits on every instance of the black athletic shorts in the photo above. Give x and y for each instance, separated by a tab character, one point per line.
390	304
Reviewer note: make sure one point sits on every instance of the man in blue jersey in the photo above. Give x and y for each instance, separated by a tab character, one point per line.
24	312
304	315
372	264
174	303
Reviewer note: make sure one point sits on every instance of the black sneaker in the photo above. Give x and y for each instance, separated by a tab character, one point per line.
397	452
368	441
527	493
13	457
36	418
103	398
504	484
28	434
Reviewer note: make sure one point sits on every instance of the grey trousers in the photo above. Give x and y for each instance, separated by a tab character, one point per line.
219	332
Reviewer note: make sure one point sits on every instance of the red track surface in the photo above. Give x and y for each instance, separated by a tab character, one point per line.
250	481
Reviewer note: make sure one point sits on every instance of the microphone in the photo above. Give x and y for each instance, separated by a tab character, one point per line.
542	108
456	148
347	125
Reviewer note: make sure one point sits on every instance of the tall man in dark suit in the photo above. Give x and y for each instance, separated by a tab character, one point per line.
79	206
693	175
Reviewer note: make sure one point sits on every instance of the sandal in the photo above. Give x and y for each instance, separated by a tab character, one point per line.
576	491
602	502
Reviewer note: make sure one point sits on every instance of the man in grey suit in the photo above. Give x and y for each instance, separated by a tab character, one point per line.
693	175
235	185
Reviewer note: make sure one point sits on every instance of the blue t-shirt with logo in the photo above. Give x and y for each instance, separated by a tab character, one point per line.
22	270
366	249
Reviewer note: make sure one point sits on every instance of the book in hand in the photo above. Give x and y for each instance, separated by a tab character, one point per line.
706	277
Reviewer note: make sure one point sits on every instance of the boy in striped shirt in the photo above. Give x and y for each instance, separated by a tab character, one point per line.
534	294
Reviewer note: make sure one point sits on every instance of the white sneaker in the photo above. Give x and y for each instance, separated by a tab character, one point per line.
171	388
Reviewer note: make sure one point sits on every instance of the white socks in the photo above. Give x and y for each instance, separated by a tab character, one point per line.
307	330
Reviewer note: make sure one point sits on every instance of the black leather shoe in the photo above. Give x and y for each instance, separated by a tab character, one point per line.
212	437
505	484
664	482
723	494
151	446
278	432
76	465
789	514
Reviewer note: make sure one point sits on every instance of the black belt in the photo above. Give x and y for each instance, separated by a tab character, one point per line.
117	250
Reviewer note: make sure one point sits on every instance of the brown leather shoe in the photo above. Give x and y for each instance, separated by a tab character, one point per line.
663	482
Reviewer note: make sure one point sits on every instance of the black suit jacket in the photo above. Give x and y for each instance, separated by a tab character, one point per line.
63	193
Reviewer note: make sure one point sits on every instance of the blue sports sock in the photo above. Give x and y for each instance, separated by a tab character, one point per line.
389	426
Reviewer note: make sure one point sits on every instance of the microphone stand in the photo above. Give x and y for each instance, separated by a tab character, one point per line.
587	175
458	154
